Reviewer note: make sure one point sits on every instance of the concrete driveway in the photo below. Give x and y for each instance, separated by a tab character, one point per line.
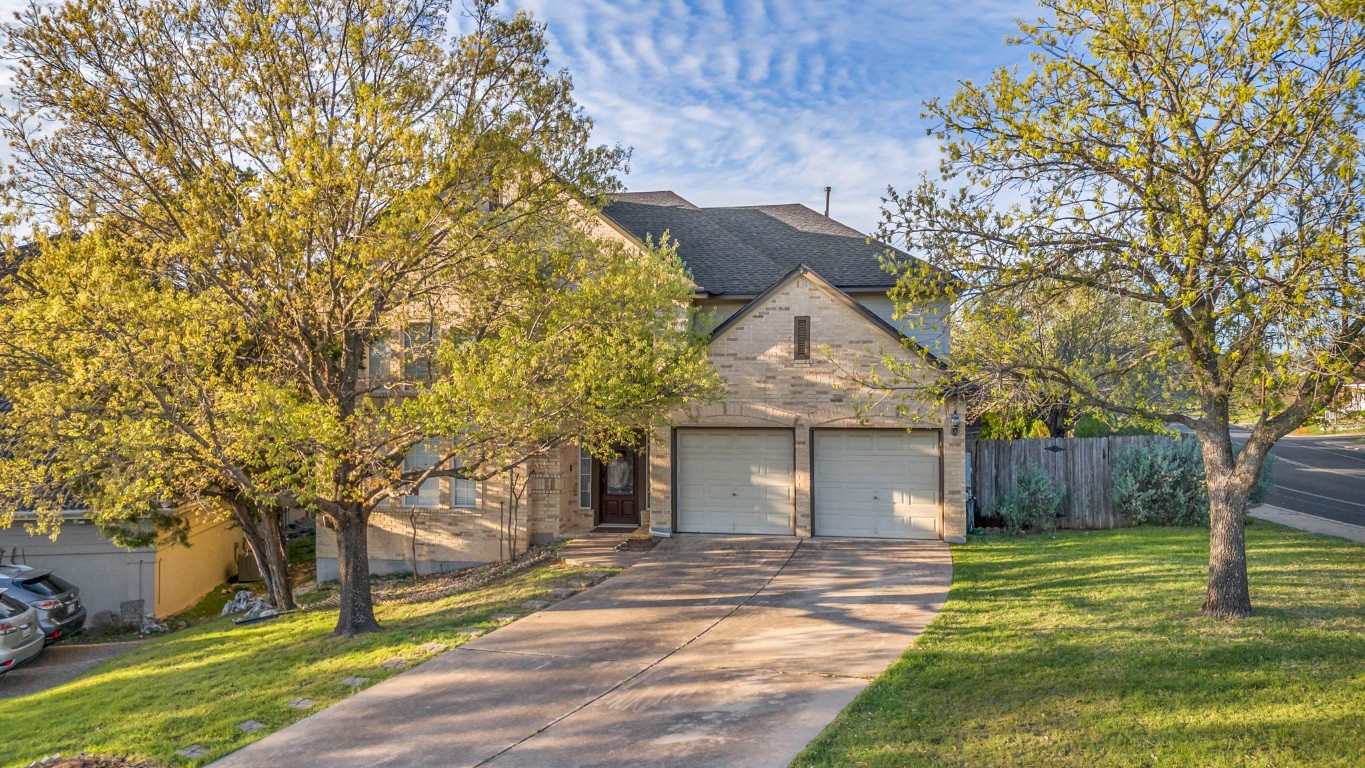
724	651
58	664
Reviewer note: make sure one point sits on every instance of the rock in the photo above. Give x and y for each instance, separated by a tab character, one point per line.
151	625
252	605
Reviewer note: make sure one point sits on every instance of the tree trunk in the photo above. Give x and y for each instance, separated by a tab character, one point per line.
1059	419
353	567
281	589
1229	485
255	541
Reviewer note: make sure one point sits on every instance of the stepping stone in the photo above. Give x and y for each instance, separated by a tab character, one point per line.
193	751
251	726
505	617
355	682
535	605
395	664
559	593
471	631
433	647
302	703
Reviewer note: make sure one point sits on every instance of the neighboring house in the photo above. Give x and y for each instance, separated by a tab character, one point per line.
1350	404
798	301
161	580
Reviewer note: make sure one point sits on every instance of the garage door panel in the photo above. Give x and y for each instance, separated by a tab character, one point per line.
735	481
876	483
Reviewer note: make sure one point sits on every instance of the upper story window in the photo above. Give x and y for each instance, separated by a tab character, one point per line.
417	351
378	366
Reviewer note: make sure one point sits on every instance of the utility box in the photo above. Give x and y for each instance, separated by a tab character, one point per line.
246	567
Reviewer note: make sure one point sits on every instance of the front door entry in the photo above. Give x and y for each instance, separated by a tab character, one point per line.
620	487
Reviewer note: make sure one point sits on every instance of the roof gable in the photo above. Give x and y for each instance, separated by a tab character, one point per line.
803	271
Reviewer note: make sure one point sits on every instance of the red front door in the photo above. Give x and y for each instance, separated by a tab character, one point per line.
620	483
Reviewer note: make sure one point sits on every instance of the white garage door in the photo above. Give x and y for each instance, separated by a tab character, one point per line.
735	481
876	483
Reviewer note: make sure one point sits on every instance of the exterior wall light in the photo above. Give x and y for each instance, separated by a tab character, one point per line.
955	420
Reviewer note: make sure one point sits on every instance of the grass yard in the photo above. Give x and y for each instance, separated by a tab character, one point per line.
195	686
1088	650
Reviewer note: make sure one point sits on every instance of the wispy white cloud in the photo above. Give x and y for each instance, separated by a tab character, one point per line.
733	102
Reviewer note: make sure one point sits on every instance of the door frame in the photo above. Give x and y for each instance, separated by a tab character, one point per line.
599	486
814	478
675	461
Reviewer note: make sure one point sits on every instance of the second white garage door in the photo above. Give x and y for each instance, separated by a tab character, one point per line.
735	481
877	483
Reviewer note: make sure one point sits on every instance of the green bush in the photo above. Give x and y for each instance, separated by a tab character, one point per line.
1031	505
1093	426
1163	484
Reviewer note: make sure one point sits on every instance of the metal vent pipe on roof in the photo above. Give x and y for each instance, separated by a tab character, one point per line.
827	191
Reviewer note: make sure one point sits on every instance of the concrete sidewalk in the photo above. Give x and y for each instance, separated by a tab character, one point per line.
1310	523
710	651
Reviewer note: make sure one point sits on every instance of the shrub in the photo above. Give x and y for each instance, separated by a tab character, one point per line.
1093	426
1031	505
1163	484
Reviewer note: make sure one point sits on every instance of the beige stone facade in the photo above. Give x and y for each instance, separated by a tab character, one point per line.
767	387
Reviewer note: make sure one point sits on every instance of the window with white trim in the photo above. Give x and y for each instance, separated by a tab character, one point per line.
417	351
463	491
423	456
378	365
584	479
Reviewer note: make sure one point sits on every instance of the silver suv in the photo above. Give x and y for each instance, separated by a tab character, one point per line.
20	637
58	603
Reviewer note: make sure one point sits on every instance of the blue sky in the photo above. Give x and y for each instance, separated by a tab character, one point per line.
736	102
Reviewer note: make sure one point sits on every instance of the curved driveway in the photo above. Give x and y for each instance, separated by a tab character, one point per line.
725	651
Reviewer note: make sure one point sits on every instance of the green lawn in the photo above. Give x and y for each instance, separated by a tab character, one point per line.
196	685
1088	650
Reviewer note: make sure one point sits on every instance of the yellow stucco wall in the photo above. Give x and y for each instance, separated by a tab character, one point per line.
185	574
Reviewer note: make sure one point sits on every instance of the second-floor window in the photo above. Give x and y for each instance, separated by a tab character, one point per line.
418	349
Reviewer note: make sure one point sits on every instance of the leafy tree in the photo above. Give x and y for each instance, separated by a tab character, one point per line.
1200	158
298	239
1000	337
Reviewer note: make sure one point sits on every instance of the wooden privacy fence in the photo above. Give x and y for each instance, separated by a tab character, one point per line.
1084	464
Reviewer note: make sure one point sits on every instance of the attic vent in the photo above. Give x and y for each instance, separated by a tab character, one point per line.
801	338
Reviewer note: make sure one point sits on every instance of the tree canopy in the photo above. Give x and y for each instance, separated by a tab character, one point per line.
1201	159
281	243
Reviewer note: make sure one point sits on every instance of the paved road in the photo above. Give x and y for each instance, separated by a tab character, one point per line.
1321	476
710	651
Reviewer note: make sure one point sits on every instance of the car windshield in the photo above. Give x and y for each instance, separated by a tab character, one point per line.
9	607
47	586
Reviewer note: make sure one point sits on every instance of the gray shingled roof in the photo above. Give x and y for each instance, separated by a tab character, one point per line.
745	250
